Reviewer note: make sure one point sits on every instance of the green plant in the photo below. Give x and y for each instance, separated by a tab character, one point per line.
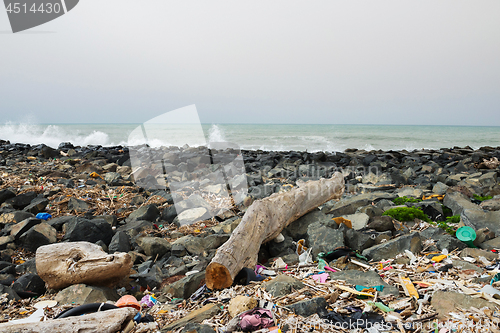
448	228
446	211
453	219
480	198
405	214
403	200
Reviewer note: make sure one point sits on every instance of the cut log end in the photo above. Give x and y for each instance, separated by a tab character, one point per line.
218	277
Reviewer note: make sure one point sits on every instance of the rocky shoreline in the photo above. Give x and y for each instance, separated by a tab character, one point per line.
93	195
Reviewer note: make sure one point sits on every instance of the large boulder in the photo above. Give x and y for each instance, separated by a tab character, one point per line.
478	219
350	205
298	228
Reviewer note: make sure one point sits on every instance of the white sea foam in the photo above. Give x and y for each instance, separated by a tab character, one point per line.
51	135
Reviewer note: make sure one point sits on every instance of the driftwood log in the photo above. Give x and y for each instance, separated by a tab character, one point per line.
64	264
262	222
110	321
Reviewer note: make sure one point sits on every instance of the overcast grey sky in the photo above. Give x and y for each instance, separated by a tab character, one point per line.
338	62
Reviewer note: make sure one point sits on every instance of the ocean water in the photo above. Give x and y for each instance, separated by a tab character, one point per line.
251	136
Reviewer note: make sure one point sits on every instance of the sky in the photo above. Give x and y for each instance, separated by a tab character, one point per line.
420	62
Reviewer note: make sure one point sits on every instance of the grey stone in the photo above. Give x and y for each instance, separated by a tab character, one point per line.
478	219
445	302
465	265
169	214
20	228
410	192
197	328
145	213
440	188
381	223
370	210
368	279
37	205
186	286
78	205
193	215
29	266
111	219
119	243
198	245
282	285
443	239
385	204
491	205
298	228
488	179
323	239
79	294
476	253
112	177
154	246
178	250
41	234
358	220
358	240
309	307
491	244
15	217
133	228
394	247
458	202
5	241
350	205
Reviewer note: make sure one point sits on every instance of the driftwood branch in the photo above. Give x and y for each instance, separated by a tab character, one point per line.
263	221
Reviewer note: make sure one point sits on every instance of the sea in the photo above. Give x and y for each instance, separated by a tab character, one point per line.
276	137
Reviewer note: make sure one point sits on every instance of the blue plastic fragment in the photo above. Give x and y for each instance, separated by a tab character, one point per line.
137	317
43	216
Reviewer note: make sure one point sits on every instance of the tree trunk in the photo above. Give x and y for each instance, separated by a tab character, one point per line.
263	221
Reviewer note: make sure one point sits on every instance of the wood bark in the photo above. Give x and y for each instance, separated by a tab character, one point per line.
109	321
262	222
64	264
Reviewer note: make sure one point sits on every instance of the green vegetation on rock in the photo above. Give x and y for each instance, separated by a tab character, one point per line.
453	219
403	200
480	198
405	214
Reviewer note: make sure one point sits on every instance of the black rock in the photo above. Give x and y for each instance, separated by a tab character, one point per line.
22	200
28	266
40	235
37	205
169	214
146	213
6	195
81	229
119	243
309	307
31	283
11	294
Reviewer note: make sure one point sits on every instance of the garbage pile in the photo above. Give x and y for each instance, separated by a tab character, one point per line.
411	246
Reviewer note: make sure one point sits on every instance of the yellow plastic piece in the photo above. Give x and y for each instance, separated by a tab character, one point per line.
408	287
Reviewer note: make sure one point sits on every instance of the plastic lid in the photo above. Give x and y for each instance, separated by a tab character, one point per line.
466	234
